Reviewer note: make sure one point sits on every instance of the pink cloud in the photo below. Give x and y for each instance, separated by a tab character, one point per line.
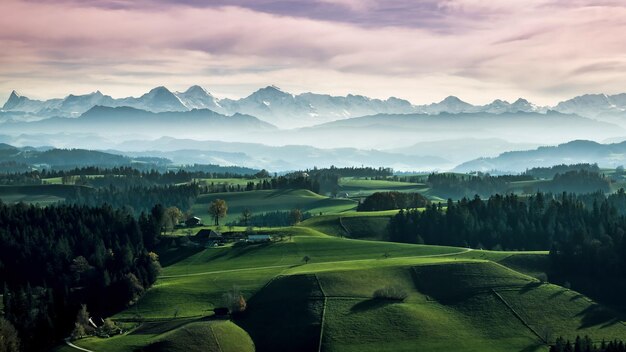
475	49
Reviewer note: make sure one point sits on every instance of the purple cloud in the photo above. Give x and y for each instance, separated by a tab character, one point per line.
417	50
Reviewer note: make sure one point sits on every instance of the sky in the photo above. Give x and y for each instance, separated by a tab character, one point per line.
420	50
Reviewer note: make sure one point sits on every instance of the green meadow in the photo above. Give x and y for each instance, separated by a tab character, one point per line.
362	187
456	299
271	200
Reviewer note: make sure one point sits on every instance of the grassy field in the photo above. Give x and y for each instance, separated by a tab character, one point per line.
457	299
184	335
59	180
271	200
361	187
36	194
358	225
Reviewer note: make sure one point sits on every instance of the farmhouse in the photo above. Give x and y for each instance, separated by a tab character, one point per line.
259	238
206	235
193	221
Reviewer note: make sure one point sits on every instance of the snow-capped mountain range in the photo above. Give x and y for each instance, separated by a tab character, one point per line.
286	110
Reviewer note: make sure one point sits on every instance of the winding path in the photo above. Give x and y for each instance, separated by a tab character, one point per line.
67	342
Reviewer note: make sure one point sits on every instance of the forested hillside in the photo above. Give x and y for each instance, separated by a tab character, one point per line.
56	258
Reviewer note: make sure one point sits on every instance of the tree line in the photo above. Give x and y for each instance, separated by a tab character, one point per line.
54	259
583	241
271	219
392	200
585	344
137	199
550	172
456	186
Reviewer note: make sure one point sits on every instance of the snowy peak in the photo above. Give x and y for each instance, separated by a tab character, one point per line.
453	100
159	99
78	104
523	105
269	92
196	90
450	104
594	105
196	97
160	91
14	100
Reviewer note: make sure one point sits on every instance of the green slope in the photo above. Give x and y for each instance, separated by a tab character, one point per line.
185	335
457	299
271	200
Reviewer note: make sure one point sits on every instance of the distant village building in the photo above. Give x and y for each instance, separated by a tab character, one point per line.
193	221
259	238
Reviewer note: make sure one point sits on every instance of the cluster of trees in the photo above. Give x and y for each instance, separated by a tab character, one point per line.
291	181
13	167
327	179
54	259
137	199
132	174
549	172
271	219
362	171
456	186
579	181
583	241
617	200
585	344
392	200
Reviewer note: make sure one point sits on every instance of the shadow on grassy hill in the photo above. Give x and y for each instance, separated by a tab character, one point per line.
285	315
595	315
370	304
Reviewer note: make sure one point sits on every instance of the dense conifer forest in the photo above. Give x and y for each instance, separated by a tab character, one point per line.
56	258
582	239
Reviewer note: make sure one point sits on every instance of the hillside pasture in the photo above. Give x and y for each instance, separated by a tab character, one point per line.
363	187
271	200
38	194
456	299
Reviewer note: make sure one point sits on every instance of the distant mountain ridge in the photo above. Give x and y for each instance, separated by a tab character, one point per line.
273	105
578	151
123	120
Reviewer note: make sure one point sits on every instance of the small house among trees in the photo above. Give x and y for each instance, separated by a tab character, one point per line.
206	235
193	221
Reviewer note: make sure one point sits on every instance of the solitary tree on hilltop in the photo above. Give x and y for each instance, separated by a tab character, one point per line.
218	209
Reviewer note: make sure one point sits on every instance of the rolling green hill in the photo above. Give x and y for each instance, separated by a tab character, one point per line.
271	200
360	187
358	225
456	299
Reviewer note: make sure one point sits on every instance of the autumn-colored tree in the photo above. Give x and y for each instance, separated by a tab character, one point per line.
218	209
171	218
234	300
